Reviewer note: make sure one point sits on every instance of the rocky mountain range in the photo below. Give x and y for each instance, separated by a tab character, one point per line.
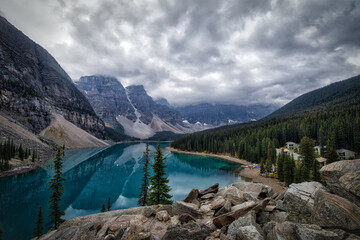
35	91
129	110
222	114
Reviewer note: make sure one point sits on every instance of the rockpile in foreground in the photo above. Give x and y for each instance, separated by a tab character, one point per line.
242	210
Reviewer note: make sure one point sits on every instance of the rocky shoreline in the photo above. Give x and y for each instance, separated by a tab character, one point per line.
243	210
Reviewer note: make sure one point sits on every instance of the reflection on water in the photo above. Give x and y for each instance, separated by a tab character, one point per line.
93	176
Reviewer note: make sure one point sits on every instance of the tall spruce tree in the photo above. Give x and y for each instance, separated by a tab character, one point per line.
280	166
159	188
307	151
108	206
288	168
332	156
58	189
38	229
143	197
315	171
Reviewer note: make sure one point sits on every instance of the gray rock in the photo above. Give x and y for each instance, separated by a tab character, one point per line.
234	214
334	211
263	217
190	231
234	195
280	205
299	200
217	203
213	189
250	197
181	207
259	190
193	194
225	209
296	231
351	182
245	228
334	171
168	208
207	196
268	227
148	212
185	218
162	216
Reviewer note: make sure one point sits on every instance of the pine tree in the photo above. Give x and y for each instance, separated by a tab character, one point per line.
143	197
268	159
38	229
58	189
262	166
298	174
332	156
280	166
21	152
315	171
33	156
288	168
159	190
108	206
307	151
103	209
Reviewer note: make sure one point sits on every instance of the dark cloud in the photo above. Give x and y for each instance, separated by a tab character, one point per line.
241	52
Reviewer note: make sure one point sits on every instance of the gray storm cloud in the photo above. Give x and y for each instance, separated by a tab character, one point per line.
238	52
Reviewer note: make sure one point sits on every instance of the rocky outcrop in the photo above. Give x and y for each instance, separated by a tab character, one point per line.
299	200
308	211
332	211
342	179
33	86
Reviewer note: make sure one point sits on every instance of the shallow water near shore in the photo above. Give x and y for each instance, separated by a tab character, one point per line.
94	175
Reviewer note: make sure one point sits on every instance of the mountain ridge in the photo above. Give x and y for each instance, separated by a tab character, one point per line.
34	87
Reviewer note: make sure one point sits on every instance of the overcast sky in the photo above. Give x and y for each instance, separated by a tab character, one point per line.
192	51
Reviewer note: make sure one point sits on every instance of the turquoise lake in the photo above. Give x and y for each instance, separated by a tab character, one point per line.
93	176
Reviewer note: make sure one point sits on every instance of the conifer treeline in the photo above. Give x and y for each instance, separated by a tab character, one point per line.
339	128
9	150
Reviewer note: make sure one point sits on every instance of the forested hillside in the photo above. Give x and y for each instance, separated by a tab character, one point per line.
330	115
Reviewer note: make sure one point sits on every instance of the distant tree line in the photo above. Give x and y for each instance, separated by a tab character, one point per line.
338	128
9	150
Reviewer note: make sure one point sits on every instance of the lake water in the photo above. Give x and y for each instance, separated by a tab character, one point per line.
94	175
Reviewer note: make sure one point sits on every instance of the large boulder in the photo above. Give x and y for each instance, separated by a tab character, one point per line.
347	186
245	228
296	231
299	200
332	211
190	231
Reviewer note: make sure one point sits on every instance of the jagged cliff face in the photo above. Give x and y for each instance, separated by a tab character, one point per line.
132	108
148	107
33	86
108	98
